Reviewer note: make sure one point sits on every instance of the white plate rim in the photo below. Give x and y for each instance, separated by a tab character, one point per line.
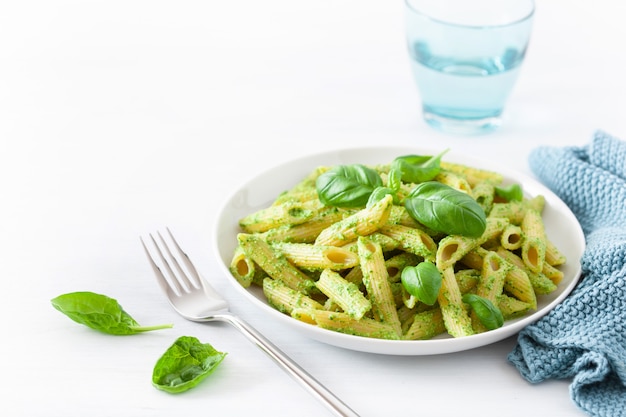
248	191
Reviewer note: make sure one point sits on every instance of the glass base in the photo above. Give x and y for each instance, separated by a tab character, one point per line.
462	126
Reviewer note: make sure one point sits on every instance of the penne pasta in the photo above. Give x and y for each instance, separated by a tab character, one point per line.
340	268
514	211
455	316
517	282
342	322
377	284
534	241
361	223
472	175
286	299
483	193
308	231
554	256
452	248
454	180
309	256
288	213
490	284
511	238
242	268
540	283
343	293
273	263
511	307
412	240
426	325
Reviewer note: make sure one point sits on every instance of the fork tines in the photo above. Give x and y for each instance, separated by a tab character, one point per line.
183	280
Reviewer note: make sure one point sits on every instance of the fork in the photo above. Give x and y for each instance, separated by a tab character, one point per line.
194	299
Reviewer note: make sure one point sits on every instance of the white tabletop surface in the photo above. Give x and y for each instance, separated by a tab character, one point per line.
118	118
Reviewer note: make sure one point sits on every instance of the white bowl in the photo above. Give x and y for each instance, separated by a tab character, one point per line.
561	227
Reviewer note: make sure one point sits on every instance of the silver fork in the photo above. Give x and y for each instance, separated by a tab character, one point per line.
194	299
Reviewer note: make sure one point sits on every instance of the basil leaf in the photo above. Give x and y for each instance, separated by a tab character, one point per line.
100	312
378	195
185	364
418	168
422	281
513	192
394	180
347	185
445	209
488	314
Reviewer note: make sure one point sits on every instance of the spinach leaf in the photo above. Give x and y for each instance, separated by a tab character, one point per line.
185	364
512	192
488	314
418	168
445	209
100	313
422	281
347	185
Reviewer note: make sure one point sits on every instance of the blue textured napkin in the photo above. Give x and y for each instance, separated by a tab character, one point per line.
584	337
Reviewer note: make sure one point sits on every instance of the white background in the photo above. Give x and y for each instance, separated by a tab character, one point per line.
121	117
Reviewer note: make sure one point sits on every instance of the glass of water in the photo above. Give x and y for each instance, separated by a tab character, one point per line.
465	57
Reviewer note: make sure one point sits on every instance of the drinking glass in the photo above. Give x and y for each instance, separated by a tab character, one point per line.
466	57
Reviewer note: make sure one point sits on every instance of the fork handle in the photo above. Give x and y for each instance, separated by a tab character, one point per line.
338	407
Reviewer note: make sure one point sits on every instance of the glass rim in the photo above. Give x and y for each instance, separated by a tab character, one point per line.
523	18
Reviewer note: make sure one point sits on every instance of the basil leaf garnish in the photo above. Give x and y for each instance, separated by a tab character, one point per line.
185	364
422	281
512	192
445	209
378	195
347	185
488	314
100	312
418	168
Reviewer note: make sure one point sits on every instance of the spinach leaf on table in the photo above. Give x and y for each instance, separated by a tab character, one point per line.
185	364
100	312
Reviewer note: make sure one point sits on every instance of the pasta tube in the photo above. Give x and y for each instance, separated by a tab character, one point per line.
377	284
540	283
308	231
534	241
279	214
517	282
452	248
483	193
242	267
412	240
344	293
454	180
361	223
490	285
285	299
308	256
426	325
511	238
472	175
276	266
342	322
455	316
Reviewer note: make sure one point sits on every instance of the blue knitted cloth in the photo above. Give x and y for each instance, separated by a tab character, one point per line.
584	337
